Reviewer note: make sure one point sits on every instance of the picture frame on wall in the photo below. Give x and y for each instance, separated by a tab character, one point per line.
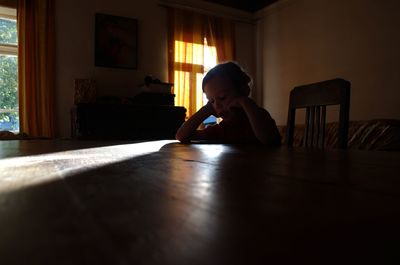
116	41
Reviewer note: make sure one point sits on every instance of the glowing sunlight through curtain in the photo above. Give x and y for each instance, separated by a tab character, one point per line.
192	39
36	64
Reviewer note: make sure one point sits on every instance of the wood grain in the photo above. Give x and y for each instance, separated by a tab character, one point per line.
199	204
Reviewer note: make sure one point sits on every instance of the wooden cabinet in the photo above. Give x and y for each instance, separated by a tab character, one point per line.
125	121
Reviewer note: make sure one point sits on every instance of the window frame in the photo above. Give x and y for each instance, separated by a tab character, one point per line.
7	49
193	69
11	14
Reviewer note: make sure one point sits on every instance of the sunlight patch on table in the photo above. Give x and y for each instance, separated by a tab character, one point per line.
20	172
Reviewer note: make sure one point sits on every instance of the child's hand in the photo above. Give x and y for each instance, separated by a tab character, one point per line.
237	102
210	109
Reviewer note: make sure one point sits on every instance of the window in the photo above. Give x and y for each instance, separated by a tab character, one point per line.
9	118
192	60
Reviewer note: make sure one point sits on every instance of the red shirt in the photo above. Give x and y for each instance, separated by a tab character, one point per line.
237	130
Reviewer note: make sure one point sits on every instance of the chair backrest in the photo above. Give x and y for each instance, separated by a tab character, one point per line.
314	98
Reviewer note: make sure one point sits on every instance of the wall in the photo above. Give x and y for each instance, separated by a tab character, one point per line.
304	41
245	52
75	49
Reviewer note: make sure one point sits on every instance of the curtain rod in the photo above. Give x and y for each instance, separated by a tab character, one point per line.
248	19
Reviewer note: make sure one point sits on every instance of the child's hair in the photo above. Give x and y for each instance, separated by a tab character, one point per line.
232	72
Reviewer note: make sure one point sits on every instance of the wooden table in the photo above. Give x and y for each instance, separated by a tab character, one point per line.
71	202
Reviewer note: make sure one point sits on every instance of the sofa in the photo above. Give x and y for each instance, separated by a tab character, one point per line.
376	134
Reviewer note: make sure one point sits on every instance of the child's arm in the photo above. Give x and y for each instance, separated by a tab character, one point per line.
261	122
188	130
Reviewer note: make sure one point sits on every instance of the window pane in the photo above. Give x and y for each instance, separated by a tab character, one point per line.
9	93
201	98
182	88
210	57
183	52
191	53
198	54
9	121
8	31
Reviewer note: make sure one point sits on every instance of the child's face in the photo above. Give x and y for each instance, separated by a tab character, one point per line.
220	94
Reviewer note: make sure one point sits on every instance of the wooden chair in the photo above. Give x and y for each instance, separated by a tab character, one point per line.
315	97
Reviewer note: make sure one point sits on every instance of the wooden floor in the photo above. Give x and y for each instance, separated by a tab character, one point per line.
82	202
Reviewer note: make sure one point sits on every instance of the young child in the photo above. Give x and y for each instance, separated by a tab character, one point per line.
243	121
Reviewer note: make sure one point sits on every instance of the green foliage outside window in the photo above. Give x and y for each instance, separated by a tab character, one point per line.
8	31
8	78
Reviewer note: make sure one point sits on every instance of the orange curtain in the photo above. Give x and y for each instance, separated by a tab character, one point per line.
36	64
221	34
187	27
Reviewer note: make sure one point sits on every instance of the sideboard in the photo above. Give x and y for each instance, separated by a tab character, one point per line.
125	121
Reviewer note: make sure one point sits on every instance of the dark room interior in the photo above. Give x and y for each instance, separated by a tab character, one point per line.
124	140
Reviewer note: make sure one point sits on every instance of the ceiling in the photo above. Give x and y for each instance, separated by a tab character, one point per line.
245	5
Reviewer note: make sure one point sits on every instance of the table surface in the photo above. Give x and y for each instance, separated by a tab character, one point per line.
76	202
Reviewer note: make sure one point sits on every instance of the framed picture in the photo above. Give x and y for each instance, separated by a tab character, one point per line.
115	41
